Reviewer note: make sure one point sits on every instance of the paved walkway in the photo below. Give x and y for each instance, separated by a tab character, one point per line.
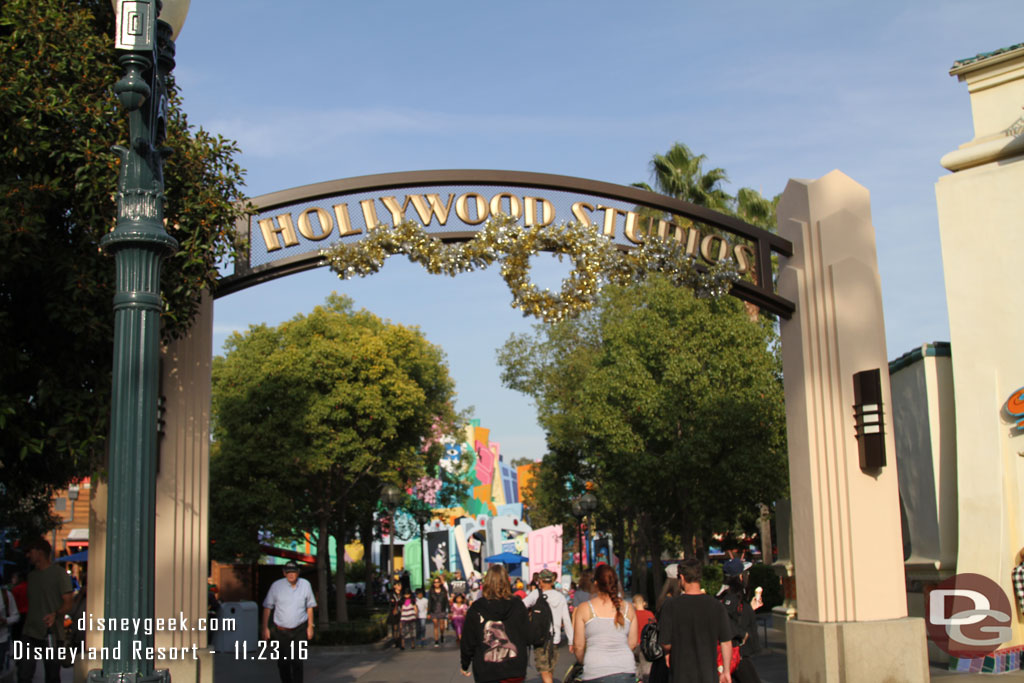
368	664
375	664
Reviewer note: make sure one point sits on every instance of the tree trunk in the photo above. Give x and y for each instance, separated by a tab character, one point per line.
340	598
700	546
366	536
689	536
639	566
652	549
322	570
621	551
656	552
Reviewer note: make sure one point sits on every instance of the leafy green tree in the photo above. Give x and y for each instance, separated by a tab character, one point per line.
314	415
671	405
58	121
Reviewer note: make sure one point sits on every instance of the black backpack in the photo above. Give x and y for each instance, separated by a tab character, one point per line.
734	607
541	621
650	648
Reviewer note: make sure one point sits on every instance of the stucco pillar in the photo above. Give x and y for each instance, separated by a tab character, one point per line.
182	507
95	582
981	225
851	623
182	496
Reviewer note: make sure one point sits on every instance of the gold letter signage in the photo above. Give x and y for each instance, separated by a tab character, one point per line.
303	228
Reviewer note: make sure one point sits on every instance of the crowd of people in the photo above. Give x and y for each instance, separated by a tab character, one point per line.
689	637
443	604
698	637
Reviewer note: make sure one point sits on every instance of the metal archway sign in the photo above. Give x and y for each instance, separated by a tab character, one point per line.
290	228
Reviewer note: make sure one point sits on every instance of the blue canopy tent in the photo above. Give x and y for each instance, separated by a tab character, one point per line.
506	558
80	556
513	560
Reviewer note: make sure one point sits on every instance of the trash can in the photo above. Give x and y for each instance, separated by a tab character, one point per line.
245	626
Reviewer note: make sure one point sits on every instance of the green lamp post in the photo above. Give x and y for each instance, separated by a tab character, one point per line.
139	244
391	496
588	503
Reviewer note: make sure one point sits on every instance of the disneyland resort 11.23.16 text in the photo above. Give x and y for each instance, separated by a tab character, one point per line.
140	649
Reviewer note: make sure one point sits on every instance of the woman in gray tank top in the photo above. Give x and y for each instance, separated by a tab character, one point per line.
605	632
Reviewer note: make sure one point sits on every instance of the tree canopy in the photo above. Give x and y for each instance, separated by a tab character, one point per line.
312	415
58	121
669	404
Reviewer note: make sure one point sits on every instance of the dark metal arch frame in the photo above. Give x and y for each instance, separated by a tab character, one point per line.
761	294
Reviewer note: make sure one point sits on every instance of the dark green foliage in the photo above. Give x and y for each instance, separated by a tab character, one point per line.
764	575
311	416
58	121
712	578
356	571
670	405
356	632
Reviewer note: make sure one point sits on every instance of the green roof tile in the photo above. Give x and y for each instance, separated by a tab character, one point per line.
984	55
914	355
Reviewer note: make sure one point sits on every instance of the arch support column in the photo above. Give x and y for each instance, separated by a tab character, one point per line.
851	623
182	508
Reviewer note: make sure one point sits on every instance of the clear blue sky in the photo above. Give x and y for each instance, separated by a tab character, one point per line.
317	90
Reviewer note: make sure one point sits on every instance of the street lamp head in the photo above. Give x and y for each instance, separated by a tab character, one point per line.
588	502
390	495
174	13
131	17
577	509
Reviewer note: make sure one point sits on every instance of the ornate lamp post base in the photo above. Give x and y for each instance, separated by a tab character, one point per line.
157	676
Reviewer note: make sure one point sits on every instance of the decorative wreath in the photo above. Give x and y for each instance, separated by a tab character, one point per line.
595	258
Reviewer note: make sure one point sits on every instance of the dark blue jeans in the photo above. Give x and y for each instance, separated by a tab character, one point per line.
27	666
288	667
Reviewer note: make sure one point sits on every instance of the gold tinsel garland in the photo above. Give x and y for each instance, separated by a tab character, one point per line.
595	257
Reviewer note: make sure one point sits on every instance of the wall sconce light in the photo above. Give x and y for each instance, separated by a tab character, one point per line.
867	414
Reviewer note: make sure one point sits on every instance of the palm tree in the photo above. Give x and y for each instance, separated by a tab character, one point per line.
679	173
756	209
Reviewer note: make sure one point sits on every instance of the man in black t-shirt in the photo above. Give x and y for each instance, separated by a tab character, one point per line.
690	628
459	585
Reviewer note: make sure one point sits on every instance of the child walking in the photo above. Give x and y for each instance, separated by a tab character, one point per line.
408	620
459	608
421	616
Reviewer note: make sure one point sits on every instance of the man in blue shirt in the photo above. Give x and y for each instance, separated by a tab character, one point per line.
292	601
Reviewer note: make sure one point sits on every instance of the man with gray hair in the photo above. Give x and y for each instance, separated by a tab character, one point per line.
292	601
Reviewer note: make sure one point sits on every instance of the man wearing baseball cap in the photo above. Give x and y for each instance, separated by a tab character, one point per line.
741	613
545	657
292	601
